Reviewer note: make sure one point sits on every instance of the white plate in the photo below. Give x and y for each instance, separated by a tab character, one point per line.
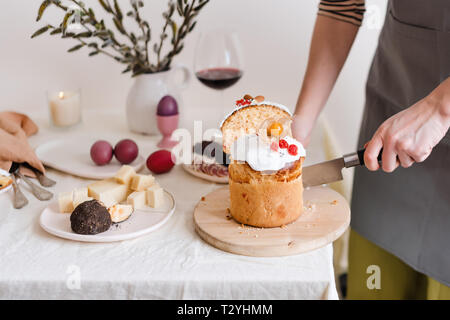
73	156
138	224
204	176
5	173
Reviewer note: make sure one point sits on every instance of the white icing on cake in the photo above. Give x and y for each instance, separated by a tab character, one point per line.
258	154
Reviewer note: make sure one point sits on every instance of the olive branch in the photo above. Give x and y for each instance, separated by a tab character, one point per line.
134	52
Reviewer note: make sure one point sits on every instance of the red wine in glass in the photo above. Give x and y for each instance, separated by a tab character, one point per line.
219	78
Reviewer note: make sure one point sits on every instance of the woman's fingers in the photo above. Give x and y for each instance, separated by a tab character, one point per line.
389	161
405	160
372	151
301	129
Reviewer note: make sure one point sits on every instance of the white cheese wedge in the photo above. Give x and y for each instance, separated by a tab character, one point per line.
79	195
155	196
120	212
108	191
141	182
81	200
137	199
125	174
65	201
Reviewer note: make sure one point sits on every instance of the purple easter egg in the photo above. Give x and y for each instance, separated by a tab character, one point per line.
167	106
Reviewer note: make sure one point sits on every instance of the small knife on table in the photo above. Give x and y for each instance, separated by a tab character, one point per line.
331	171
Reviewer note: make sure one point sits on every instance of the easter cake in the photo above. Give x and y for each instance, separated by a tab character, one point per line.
265	173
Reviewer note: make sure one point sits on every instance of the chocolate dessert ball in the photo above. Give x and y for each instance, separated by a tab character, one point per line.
90	217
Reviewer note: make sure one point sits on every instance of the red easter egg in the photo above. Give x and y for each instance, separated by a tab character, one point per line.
160	161
126	151
101	152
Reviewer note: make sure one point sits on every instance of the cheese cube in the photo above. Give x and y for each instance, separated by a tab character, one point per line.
78	201
65	202
137	199
79	195
155	196
141	182
108	191
125	174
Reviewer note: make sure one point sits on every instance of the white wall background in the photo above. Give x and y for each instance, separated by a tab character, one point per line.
275	39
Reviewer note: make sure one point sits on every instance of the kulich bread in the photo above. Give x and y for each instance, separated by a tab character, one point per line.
262	198
266	201
246	120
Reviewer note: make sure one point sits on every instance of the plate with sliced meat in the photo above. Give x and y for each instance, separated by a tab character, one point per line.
209	162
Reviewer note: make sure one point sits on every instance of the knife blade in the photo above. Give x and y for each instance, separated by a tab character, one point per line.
331	171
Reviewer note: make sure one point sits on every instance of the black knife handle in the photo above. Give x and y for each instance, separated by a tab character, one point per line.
361	155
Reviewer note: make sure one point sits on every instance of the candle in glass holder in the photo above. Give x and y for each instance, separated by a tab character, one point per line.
65	108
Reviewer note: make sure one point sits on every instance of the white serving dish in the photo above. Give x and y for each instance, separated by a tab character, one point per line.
140	222
73	156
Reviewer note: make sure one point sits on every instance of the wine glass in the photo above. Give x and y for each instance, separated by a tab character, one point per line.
218	61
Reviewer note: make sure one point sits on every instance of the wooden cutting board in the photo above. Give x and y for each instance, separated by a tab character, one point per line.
326	217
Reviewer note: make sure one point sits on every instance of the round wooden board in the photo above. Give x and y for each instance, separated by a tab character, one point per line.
326	217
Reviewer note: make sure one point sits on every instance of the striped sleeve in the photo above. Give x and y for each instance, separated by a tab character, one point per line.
351	11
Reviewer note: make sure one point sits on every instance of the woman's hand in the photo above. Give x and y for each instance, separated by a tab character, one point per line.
301	128
410	135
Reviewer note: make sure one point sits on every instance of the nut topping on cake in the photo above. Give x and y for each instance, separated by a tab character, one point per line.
259	99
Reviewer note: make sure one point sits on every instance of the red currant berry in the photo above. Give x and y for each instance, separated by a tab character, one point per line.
283	144
293	150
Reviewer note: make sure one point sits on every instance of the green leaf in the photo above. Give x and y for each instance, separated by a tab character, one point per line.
179	49
180	7
56	31
118	11
75	48
66	20
174	27
85	34
42	8
201	5
128	69
91	13
119	25
93	53
40	31
105	6
192	26
133	38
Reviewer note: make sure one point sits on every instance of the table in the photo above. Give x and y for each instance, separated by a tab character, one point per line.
170	263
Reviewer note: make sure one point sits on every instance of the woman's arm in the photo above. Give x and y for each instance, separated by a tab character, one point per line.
330	46
410	135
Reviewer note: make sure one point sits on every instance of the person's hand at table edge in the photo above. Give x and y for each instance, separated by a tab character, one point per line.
410	135
15	128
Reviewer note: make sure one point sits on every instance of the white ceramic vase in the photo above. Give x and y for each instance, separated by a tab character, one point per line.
146	92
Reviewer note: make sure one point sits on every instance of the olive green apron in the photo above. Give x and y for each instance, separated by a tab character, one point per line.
407	212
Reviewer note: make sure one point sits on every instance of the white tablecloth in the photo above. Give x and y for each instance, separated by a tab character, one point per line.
169	263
